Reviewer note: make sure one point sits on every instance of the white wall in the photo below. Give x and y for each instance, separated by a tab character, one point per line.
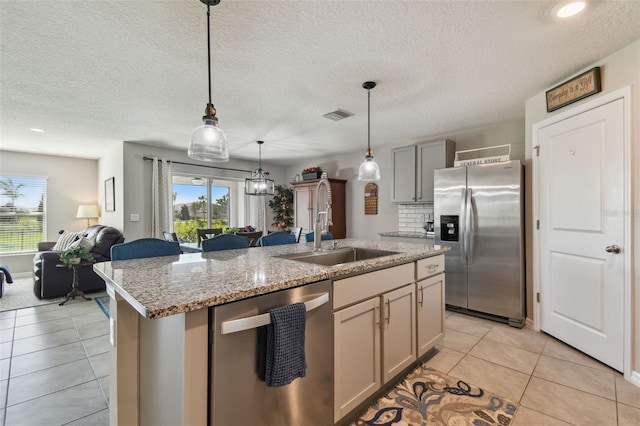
71	182
111	166
619	70
364	226
137	182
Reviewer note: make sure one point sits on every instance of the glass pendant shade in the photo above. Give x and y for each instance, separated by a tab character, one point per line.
208	142
369	170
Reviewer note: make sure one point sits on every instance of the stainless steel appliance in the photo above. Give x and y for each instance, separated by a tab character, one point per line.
479	213
239	395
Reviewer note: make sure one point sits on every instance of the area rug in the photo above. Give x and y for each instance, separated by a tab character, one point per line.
428	397
19	295
103	302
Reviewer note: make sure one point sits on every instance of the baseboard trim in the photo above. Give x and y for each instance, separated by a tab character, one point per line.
635	378
528	323
21	275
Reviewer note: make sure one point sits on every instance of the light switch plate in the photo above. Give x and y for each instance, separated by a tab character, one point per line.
135	217
112	331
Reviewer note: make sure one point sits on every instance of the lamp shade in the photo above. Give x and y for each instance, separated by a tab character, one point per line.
87	211
369	170
209	143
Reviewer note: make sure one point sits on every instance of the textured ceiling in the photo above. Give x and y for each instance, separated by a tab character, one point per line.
94	73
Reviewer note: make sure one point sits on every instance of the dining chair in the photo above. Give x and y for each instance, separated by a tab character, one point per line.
297	232
225	242
203	234
309	237
170	236
276	239
144	247
251	236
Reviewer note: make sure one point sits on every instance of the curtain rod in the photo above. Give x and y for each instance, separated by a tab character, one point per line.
201	165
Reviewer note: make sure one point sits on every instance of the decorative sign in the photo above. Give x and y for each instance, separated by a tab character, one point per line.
586	84
371	198
484	155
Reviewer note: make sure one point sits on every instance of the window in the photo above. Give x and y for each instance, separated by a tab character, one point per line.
202	202
23	207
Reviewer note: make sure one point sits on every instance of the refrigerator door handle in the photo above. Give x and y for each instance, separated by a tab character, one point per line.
470	226
462	227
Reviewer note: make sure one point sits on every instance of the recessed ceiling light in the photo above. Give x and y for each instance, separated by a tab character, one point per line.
570	9
35	129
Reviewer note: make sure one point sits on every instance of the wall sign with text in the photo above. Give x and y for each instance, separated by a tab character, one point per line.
579	87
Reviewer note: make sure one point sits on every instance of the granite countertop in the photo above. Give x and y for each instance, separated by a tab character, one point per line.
162	286
423	235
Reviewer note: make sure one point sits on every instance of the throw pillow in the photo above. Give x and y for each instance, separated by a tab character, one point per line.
65	240
85	242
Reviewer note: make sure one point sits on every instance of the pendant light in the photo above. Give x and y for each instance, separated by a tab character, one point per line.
259	184
369	170
208	142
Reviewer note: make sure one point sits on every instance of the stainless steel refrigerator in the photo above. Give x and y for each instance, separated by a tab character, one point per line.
479	213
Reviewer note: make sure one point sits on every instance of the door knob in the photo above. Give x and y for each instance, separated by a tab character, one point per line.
613	249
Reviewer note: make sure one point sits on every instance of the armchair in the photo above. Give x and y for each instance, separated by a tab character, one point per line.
50	281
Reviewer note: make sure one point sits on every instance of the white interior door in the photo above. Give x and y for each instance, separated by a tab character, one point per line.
581	205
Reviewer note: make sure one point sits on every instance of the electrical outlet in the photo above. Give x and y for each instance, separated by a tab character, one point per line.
135	217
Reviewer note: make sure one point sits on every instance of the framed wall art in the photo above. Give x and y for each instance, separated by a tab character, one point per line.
110	195
579	87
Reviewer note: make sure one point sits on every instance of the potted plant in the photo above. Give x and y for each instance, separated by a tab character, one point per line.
282	207
311	173
75	255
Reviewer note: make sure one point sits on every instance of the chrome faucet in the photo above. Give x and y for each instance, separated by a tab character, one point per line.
320	228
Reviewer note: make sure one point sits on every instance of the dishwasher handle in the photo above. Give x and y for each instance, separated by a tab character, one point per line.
256	321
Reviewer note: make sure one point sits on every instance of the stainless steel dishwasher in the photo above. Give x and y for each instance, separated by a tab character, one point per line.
239	395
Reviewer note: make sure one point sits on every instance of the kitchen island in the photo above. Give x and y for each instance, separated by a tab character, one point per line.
159	316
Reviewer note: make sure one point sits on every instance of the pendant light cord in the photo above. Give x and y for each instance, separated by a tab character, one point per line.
368	121
209	48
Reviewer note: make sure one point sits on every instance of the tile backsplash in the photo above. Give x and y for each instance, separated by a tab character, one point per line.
413	217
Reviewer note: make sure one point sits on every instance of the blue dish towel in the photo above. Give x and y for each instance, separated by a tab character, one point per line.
285	359
7	274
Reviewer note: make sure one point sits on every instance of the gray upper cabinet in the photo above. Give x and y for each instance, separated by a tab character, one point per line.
413	168
404	174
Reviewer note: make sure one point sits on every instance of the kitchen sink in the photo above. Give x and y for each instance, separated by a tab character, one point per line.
337	256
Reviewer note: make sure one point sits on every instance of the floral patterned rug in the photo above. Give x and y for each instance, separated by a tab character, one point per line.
429	397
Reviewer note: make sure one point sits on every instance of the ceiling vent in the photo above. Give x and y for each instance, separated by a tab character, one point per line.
338	115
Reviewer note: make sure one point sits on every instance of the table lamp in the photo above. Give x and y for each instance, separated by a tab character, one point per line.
87	211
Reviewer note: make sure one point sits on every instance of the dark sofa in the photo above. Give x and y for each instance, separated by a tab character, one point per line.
51	281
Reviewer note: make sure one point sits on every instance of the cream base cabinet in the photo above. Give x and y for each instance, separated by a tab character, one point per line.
361	364
356	355
399	331
430	302
430	312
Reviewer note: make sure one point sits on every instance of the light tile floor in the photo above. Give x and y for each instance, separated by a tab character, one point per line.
54	365
553	383
54	370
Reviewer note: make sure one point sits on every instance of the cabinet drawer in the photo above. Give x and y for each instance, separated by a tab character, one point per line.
429	266
361	287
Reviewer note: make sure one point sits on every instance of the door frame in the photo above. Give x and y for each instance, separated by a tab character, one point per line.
625	95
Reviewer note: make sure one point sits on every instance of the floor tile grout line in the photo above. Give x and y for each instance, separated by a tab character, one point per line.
54	392
57	365
84	417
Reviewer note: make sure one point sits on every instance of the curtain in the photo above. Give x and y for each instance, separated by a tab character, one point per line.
161	197
257	213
